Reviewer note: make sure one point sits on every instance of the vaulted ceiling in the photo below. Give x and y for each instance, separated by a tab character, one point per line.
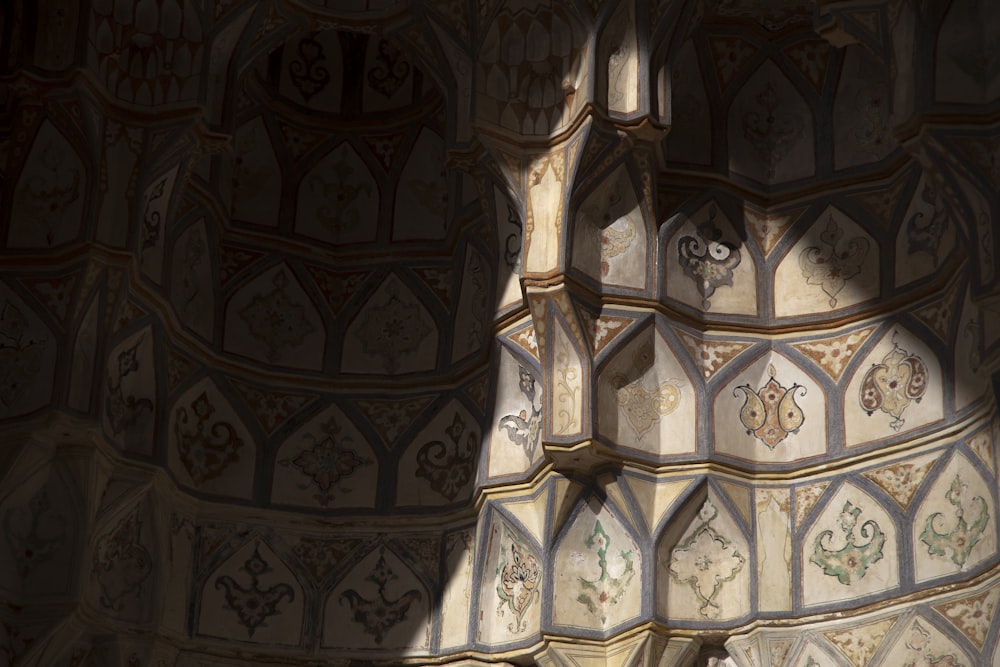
422	331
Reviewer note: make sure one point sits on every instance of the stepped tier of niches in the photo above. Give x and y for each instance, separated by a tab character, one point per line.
560	557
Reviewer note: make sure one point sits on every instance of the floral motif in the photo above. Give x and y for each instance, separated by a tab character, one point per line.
121	562
960	540
924	236
705	561
849	563
151	216
392	329
919	652
973	615
124	411
606	589
34	533
900	480
771	413
206	448
307	71
449	468
872	134
643	408
771	133
275	320
322	555
832	266
380	614
519	576
707	259
391	70
339	186
329	462
614	242
512	244
45	197
893	384
254	605
20	355
833	354
524	430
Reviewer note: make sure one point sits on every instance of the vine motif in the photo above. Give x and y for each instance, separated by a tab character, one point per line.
380	614
206	449
567	377
831	267
20	356
519	576
124	411
449	467
975	356
254	605
770	413
606	589
121	562
524	429
850	562
328	463
307	72
35	533
891	385
512	244
705	561
190	287
151	219
960	541
707	259
390	72
924	236
918	645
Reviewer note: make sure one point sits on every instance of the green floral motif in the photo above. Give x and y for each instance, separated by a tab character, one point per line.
957	543
519	576
606	589
705	561
851	562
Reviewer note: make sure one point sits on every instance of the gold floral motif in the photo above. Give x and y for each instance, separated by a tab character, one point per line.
643	408
614	242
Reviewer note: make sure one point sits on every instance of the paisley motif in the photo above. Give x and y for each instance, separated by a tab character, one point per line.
892	385
771	413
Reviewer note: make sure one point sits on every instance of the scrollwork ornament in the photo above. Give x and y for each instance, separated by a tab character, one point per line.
307	72
707	259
